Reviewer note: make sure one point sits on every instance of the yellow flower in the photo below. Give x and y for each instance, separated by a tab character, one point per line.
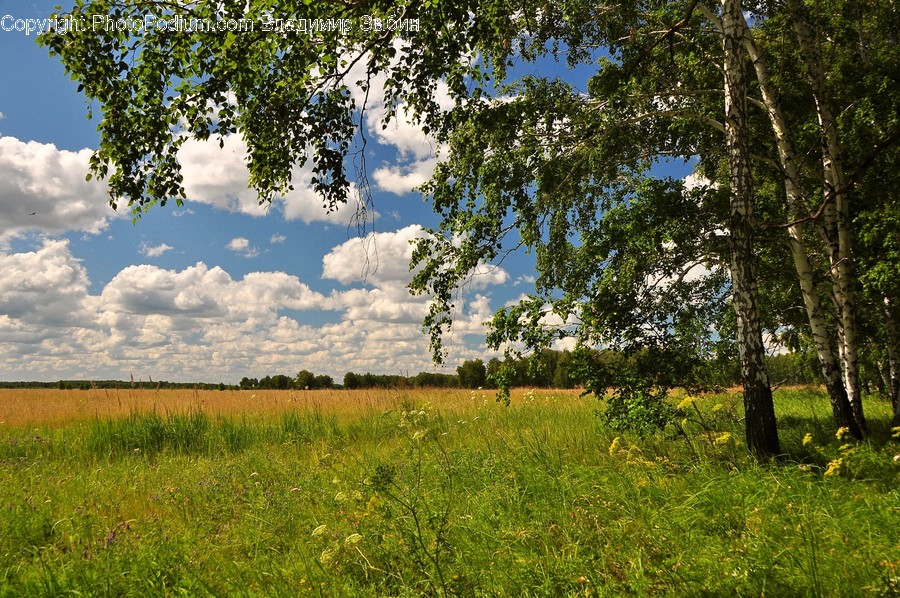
686	402
614	446
808	439
723	438
842	433
319	530
834	468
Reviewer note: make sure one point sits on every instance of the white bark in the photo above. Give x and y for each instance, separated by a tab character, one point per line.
893	351
837	213
796	213
762	435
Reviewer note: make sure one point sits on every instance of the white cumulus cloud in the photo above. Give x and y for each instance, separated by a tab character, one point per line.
200	323
154	250
43	189
242	246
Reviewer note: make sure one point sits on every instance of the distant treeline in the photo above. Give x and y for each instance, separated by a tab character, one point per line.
548	369
111	384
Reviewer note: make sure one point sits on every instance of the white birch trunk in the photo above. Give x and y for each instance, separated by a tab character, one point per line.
837	213
831	371
762	434
893	351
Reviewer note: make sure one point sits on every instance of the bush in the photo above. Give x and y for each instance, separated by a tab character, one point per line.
639	410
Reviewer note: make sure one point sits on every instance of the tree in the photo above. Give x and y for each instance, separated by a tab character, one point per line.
305	380
324	381
352	381
837	58
616	248
472	374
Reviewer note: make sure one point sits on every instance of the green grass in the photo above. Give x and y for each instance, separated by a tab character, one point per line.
536	499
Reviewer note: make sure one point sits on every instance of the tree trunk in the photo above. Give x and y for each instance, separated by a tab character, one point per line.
761	430
831	372
893	351
837	212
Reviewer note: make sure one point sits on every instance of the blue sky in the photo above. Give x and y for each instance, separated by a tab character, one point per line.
219	288
216	289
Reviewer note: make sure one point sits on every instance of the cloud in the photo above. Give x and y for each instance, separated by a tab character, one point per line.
698	181
380	261
219	177
203	292
524	279
154	251
401	179
416	153
276	238
43	189
45	288
242	246
200	323
378	258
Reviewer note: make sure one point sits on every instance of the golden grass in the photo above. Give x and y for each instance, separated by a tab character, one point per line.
52	407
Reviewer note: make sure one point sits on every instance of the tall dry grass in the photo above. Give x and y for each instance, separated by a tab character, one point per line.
52	407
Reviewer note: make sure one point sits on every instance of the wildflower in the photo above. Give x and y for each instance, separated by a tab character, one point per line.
718	407
686	402
723	438
834	468
352	540
842	433
614	446
808	439
319	530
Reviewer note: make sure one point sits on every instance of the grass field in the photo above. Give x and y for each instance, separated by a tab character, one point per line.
406	493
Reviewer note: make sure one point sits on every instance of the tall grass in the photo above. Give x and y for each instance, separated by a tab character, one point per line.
415	496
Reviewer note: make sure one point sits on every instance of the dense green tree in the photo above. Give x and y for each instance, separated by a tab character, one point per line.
472	374
323	381
352	381
305	380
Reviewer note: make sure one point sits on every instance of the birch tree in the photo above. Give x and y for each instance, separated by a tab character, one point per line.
761	429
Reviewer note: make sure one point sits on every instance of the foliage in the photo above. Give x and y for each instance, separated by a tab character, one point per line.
472	374
639	410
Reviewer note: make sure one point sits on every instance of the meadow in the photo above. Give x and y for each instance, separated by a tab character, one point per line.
408	493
